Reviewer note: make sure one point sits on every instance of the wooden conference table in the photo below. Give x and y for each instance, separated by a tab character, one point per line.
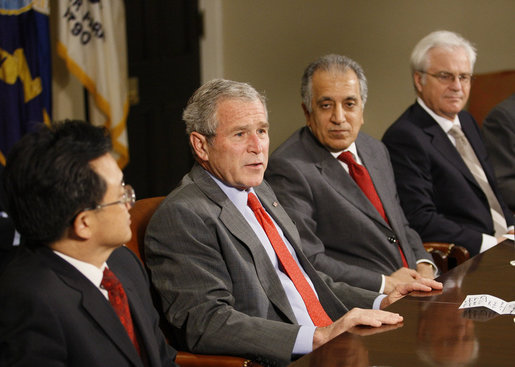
435	332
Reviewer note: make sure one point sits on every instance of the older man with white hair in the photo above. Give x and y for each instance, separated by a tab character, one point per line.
446	185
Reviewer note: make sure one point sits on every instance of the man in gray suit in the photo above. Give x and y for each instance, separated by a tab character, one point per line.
343	234
499	133
214	263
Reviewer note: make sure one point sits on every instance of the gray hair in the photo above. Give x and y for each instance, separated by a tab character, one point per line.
200	112
331	62
439	39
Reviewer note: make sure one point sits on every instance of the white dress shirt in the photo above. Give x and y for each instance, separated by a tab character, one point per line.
90	271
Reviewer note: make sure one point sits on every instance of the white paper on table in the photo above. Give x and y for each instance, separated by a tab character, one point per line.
493	303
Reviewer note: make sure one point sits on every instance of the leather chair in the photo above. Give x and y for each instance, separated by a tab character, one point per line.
141	213
488	90
446	255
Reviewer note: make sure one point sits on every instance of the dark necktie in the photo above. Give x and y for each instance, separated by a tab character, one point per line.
315	310
361	176
469	157
118	300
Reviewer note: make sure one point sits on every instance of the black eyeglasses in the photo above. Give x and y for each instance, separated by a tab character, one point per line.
447	78
129	197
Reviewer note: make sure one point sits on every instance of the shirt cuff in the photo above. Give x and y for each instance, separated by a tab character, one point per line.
304	342
488	242
437	271
377	302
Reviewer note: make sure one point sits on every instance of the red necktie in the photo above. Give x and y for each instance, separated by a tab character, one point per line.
361	176
118	300
313	305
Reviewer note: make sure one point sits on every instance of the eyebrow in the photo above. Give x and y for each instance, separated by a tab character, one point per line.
247	126
349	98
324	98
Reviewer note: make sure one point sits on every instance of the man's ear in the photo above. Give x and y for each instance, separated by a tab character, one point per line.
199	145
81	226
307	115
417	81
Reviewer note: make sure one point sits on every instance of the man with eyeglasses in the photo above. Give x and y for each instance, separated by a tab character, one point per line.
73	295
446	185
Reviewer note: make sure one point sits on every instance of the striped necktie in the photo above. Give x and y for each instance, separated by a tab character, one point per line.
469	157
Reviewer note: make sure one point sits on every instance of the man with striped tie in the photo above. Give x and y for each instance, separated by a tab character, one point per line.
446	184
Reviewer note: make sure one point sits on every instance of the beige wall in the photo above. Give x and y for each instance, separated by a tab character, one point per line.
268	43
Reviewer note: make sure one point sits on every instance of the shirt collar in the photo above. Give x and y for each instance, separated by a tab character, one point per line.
351	148
90	271
237	196
444	123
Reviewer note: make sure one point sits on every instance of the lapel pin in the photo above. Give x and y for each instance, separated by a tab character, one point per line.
275	203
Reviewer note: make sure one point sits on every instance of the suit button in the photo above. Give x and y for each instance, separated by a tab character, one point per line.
392	239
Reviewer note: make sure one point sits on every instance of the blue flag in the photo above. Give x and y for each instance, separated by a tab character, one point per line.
25	69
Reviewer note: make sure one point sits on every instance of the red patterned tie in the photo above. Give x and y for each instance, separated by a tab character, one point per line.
118	300
313	305
361	176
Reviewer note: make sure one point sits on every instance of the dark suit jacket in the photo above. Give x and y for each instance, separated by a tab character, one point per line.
342	233
440	197
51	315
499	134
214	273
7	250
6	228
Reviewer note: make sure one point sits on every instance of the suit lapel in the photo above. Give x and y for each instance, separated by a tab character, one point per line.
290	231
325	295
442	143
95	304
140	318
471	131
332	171
238	226
373	164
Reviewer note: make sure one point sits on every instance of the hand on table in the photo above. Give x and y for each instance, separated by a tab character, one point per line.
401	290
401	276
356	316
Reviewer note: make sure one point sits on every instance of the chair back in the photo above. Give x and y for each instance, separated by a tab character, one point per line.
447	255
141	213
488	90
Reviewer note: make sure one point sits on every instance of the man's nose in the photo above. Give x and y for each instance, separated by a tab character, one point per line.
338	115
255	143
455	84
